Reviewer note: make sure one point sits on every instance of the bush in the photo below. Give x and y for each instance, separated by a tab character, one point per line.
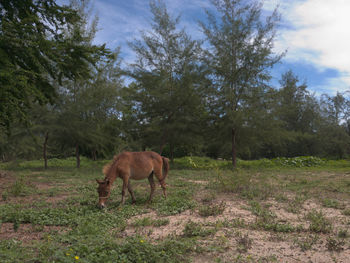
212	209
302	161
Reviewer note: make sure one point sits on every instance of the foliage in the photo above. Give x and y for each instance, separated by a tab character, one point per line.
211	209
35	52
167	93
240	57
193	229
318	222
302	161
335	244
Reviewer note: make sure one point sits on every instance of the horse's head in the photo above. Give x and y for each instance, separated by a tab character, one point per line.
104	190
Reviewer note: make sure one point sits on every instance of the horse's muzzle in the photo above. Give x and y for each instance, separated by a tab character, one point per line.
101	206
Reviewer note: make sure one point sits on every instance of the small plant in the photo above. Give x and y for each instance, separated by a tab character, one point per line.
307	242
161	222
193	229
332	203
343	233
318	222
346	212
5	195
212	210
20	188
295	204
209	197
244	243
141	222
16	225
335	244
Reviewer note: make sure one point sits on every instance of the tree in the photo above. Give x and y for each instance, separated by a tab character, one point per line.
167	89
35	53
334	130
240	56
88	102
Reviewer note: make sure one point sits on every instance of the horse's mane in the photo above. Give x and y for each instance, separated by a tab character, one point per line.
107	168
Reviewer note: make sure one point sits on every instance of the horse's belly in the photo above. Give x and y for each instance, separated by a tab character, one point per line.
138	174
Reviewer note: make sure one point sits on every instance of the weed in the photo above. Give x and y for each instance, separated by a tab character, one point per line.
332	203
193	229
243	242
16	225
281	198
176	203
141	222
208	198
147	221
318	222
20	188
5	195
263	214
335	244
161	222
343	233
346	212
295	204
243	183
237	222
307	242
212	210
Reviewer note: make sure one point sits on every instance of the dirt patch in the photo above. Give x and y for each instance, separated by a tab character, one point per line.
27	232
266	246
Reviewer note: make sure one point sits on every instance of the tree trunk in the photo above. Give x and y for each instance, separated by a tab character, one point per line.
93	153
45	149
77	155
234	159
171	153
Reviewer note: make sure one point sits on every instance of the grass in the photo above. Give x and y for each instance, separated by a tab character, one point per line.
58	207
318	222
211	209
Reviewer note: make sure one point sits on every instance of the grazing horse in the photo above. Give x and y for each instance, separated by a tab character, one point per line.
136	166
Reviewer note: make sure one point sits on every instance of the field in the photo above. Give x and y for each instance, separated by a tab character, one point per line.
285	210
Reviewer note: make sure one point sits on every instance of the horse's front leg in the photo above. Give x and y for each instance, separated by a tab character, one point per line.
131	193
153	187
125	185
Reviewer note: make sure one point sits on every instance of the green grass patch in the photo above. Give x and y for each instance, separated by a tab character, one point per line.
318	222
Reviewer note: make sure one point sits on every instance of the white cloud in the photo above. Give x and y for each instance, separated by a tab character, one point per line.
318	32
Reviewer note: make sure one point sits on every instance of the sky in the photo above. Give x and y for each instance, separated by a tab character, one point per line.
315	34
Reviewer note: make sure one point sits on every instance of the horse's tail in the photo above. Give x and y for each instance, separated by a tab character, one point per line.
165	167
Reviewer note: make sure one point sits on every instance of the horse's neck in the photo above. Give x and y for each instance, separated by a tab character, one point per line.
111	177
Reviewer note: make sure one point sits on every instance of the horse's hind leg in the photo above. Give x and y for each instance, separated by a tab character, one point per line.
161	180
163	185
153	186
131	192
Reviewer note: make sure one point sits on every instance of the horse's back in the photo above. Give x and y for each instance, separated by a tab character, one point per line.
138	165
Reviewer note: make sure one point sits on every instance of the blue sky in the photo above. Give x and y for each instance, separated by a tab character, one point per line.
315	34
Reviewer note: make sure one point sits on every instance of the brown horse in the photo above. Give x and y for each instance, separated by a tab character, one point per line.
136	166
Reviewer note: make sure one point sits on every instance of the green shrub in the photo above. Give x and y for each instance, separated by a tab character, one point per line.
335	244
332	203
302	161
212	209
318	222
193	229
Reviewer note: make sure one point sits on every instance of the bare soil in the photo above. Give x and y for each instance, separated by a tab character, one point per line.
266	246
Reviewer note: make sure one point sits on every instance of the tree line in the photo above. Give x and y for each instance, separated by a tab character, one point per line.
62	95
